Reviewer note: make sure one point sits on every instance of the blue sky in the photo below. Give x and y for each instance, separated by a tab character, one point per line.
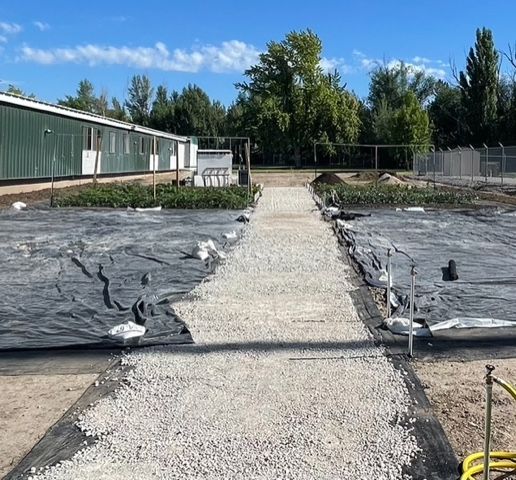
47	47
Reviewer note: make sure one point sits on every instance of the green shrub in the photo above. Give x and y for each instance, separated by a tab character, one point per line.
393	195
168	196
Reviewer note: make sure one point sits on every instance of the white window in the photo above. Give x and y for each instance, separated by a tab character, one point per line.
126	143
87	138
112	142
142	146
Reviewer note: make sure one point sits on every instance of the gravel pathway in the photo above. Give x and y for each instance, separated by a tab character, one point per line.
284	381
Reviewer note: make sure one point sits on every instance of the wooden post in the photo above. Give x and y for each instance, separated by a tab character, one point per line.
177	163
154	168
97	154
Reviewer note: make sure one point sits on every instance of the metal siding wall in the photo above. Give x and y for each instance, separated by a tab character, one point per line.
26	152
164	154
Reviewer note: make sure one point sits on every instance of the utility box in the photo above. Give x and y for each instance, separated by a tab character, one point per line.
214	168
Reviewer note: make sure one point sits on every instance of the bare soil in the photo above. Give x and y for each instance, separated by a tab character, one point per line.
456	391
31	404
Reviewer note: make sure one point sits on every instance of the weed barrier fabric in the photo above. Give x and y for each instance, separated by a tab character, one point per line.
480	241
69	275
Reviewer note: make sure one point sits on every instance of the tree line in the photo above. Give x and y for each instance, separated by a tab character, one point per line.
287	102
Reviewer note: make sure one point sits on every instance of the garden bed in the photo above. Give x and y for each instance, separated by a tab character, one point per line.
167	196
401	195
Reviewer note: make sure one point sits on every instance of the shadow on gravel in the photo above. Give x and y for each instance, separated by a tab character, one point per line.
349	346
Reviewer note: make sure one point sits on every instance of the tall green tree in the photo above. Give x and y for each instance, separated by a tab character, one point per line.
447	116
117	110
162	113
84	98
390	83
139	99
411	123
479	88
196	114
289	103
14	90
391	89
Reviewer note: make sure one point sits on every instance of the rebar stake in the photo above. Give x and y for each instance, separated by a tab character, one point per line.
487	427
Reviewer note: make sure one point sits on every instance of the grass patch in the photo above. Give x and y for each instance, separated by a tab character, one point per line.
393	195
168	196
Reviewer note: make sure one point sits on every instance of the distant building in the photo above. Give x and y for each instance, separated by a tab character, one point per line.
38	138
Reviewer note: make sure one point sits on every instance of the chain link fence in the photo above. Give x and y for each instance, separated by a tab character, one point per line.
467	165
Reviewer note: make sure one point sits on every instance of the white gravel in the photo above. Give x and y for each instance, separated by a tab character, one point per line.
284	381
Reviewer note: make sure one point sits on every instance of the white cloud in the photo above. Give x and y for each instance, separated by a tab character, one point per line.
439	73
418	59
10	28
232	55
42	26
436	68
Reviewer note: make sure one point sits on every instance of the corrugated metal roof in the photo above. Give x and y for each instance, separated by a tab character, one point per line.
39	106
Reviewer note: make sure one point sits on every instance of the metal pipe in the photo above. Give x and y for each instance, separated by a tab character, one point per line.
433	155
315	160
472	163
442	159
460	163
486	161
451	163
376	157
389	277
411	316
177	163
487	426
502	160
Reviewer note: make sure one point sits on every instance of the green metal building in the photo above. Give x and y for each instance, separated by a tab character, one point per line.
38	140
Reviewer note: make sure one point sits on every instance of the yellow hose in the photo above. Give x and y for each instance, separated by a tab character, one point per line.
504	461
469	469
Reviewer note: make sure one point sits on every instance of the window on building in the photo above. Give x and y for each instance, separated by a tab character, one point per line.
142	146
126	143
112	142
87	138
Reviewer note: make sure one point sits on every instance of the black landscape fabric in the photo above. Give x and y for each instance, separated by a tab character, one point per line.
481	242
69	275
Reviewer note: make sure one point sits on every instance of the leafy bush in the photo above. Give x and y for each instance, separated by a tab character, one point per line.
168	196
393	195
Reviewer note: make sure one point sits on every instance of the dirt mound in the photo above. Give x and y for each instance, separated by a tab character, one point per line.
328	179
388	179
365	176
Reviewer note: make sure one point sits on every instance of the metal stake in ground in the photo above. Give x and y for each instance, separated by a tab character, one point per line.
486	161
389	255
487	431
411	317
472	163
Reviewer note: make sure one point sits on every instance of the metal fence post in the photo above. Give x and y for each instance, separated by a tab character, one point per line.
389	279
442	161
472	163
433	156
460	163
451	163
411	315
486	161
502	163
